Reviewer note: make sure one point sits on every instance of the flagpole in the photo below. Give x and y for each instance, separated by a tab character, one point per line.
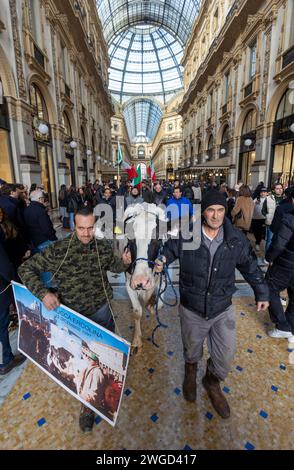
118	181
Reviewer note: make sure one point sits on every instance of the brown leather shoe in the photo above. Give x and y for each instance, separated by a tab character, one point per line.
218	400
86	419
16	361
189	384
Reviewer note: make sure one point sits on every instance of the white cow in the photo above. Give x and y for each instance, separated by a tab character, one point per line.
143	224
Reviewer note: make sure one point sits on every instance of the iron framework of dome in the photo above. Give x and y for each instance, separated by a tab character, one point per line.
142	119
146	40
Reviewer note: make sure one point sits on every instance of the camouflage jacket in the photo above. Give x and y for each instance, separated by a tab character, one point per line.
77	274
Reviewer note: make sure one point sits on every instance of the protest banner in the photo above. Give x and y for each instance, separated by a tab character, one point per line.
84	358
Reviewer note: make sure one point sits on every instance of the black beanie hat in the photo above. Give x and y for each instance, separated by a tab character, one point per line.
213	197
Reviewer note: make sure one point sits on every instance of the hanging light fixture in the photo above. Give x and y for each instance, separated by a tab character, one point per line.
223	151
89	152
292	127
73	144
248	142
43	128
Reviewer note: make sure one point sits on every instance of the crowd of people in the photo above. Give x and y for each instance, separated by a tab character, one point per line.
27	236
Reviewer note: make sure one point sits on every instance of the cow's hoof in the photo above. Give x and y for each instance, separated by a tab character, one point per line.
136	350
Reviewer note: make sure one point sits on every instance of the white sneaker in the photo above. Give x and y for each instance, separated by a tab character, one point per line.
257	248
265	262
291	339
275	333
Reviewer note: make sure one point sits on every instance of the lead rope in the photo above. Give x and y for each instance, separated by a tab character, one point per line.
104	288
160	293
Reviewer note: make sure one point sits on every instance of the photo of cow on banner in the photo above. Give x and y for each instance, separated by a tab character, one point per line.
84	358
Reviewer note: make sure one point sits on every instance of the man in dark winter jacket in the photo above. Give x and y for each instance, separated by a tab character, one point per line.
207	283
39	226
280	276
146	193
159	196
285	206
7	273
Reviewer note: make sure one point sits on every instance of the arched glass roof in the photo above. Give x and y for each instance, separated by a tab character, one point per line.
146	39
177	16
142	117
145	62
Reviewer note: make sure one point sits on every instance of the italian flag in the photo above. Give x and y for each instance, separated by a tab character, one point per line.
129	169
137	179
151	172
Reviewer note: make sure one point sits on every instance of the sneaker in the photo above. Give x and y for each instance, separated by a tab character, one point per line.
284	302
275	333
257	248
291	339
265	262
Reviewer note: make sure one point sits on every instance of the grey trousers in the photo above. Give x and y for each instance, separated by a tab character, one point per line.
220	333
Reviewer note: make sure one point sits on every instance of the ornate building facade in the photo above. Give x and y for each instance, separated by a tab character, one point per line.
55	108
238	106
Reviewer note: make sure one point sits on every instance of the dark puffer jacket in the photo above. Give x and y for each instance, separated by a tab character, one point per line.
281	250
210	296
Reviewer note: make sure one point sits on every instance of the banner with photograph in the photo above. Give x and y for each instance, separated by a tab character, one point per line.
84	358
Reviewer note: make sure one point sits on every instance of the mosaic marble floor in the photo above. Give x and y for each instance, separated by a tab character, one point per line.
37	414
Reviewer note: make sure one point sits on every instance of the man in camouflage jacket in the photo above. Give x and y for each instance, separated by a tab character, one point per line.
73	263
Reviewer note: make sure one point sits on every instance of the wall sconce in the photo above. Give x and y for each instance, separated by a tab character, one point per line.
43	128
248	142
292	127
89	152
223	151
73	144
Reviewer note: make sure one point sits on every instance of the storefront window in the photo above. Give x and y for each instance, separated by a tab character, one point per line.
283	143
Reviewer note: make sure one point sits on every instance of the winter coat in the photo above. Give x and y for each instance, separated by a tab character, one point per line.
39	226
270	204
258	203
283	208
79	282
244	208
281	249
159	198
210	295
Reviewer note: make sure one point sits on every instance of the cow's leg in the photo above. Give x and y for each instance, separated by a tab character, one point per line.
137	314
151	304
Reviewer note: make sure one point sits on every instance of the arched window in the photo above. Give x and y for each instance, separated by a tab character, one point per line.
38	103
141	152
210	148
224	147
250	122
66	125
226	135
286	105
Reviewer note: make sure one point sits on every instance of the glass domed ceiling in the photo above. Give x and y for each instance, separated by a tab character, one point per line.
145	61
146	39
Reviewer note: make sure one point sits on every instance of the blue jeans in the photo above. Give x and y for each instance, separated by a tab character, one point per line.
46	276
5	300
268	238
103	317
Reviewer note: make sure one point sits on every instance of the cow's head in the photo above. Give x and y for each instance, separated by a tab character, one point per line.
142	228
